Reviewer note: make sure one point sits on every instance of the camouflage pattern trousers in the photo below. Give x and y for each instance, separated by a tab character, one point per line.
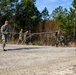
4	40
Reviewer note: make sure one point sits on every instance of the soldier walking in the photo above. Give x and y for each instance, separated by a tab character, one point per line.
57	38
62	40
20	36
25	35
5	32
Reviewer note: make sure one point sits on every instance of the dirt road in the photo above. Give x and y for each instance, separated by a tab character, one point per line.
38	60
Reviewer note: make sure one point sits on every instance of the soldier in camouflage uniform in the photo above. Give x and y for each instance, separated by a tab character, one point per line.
57	38
20	36
4	31
25	34
62	40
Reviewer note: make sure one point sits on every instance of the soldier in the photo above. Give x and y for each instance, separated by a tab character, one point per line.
5	32
20	36
25	34
57	38
62	40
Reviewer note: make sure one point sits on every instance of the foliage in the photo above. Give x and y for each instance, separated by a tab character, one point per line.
26	11
45	14
74	4
65	19
24	14
50	26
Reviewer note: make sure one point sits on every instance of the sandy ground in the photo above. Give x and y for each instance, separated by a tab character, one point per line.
37	60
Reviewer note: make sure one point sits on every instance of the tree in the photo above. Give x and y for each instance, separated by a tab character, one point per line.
45	16
24	14
74	6
7	9
28	15
66	19
63	16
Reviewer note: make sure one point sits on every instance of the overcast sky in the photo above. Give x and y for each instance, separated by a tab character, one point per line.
52	4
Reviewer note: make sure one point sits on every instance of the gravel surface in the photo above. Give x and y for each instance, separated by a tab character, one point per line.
37	60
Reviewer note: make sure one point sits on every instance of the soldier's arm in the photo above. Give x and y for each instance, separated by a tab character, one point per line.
2	30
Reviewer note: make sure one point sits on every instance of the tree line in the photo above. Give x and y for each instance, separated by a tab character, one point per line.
24	14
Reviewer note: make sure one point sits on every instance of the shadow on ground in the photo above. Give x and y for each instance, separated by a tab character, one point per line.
25	48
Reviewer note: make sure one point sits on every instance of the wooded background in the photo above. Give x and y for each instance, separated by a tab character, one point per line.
25	15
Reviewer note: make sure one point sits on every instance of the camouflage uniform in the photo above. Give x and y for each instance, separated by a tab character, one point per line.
4	31
25	34
62	41
20	36
57	38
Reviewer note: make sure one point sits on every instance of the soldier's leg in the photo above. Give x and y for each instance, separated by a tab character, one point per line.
60	42
4	39
21	41
3	45
18	41
24	40
57	42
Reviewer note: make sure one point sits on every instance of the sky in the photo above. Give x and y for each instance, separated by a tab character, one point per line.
52	4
